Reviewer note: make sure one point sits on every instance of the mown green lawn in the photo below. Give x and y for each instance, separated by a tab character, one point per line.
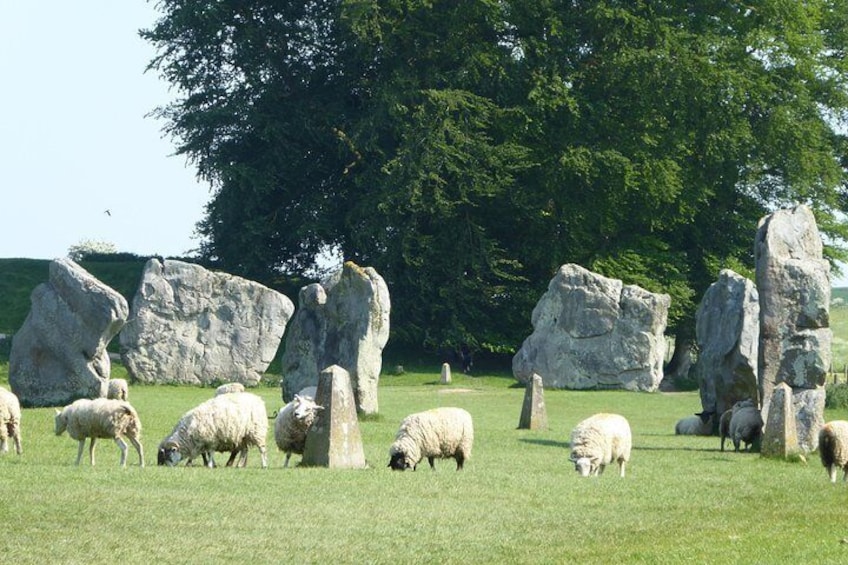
517	501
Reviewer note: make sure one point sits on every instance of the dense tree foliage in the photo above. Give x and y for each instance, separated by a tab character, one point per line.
467	149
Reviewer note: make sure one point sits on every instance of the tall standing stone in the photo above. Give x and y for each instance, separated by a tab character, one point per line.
795	338
190	325
334	440
534	416
446	374
780	437
59	354
727	330
591	331
348	326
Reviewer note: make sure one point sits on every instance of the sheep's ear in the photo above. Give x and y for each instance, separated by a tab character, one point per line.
58	411
319	407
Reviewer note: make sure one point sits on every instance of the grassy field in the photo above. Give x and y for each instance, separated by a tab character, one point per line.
517	501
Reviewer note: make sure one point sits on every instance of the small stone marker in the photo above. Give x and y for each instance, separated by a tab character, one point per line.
334	439
780	438
446	374
533	413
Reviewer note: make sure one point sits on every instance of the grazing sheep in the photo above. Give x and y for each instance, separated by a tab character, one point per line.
701	424
228	422
292	422
833	448
101	418
10	421
746	425
440	432
724	426
598	441
118	389
227	388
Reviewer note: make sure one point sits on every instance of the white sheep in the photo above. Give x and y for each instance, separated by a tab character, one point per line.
227	388
101	418
291	424
10	421
118	389
833	448
228	422
599	441
701	424
746	424
440	432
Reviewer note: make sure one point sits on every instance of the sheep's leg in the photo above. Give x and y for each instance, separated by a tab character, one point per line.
139	449
844	475
831	473
4	448
18	448
243	459
122	445
621	468
262	454
79	451
432	461
288	456
233	455
91	450
211	462
460	460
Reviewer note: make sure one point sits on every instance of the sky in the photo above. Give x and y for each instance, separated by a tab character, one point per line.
74	139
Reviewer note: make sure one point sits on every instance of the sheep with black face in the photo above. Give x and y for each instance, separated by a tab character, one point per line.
440	432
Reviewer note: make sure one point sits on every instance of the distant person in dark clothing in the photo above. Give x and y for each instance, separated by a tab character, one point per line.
465	357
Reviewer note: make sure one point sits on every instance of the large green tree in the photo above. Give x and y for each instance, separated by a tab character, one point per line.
467	149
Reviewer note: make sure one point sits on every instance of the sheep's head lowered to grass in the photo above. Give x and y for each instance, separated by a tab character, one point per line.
169	454
399	462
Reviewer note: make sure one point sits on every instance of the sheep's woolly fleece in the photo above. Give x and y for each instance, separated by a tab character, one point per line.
833	448
599	441
292	424
10	421
440	432
746	424
101	418
228	422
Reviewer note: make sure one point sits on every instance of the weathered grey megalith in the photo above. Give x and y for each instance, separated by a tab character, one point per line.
343	321
534	416
334	440
59	354
780	436
794	287
727	330
190	325
591	332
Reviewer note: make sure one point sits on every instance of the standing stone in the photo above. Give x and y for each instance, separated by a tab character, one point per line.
446	374
533	413
190	325
727	330
303	353
334	439
780	437
591	332
794	287
59	354
347	326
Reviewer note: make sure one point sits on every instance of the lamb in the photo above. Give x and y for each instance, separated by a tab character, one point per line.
292	423
746	425
10	421
440	432
701	424
228	422
598	441
227	388
118	389
101	418
833	448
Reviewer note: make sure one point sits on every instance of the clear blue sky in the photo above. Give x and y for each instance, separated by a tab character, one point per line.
74	140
